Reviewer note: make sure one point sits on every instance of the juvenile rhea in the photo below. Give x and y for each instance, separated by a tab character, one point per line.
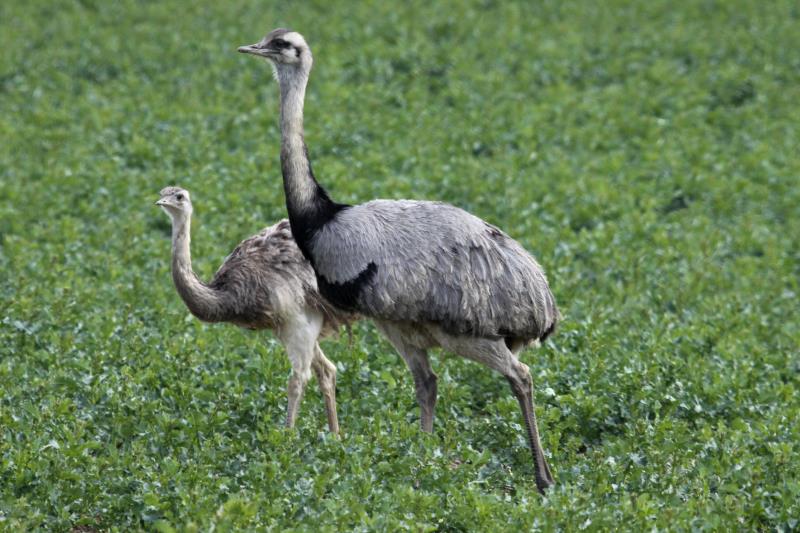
265	283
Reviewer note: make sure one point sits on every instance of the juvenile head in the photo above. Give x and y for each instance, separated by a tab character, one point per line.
287	50
175	202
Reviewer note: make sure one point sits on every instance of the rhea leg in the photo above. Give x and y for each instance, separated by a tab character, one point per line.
326	376
295	389
424	384
496	355
417	360
299	337
521	385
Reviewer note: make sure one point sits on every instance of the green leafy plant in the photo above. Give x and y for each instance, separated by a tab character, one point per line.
645	152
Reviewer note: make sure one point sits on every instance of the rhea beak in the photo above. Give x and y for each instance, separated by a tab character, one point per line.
256	49
161	201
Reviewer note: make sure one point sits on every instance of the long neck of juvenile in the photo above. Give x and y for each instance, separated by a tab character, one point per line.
203	302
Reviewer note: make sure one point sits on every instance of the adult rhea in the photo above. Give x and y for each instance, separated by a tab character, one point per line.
429	274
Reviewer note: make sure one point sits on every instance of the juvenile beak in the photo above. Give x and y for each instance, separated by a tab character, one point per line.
161	201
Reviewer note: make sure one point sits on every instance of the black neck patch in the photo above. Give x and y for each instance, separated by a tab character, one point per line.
345	295
308	218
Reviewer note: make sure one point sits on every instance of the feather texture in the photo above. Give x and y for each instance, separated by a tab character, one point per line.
267	276
433	262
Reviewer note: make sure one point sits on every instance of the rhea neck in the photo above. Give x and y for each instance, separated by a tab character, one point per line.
181	242
204	302
307	203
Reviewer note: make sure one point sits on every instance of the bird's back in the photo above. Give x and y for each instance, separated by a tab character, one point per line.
432	262
268	278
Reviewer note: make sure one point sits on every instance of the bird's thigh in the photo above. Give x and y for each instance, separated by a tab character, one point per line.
299	338
489	352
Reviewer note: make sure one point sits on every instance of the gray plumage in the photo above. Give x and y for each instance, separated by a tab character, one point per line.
428	273
436	263
265	283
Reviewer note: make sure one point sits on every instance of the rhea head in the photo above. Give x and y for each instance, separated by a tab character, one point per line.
175	202
287	50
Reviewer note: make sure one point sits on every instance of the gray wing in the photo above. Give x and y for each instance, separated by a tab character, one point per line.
436	263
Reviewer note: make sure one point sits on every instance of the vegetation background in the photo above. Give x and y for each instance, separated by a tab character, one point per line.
646	152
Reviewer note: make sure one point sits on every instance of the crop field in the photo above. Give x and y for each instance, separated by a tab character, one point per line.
647	153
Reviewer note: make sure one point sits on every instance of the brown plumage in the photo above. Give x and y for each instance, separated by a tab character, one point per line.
252	273
265	283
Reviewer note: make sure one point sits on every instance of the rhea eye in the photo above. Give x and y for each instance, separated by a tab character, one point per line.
179	197
280	43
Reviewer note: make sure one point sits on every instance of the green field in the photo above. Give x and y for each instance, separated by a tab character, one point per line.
648	153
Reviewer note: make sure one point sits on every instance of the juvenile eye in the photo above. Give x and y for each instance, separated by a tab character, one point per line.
280	43
179	197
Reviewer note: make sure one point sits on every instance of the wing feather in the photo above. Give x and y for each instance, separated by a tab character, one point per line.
435	262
